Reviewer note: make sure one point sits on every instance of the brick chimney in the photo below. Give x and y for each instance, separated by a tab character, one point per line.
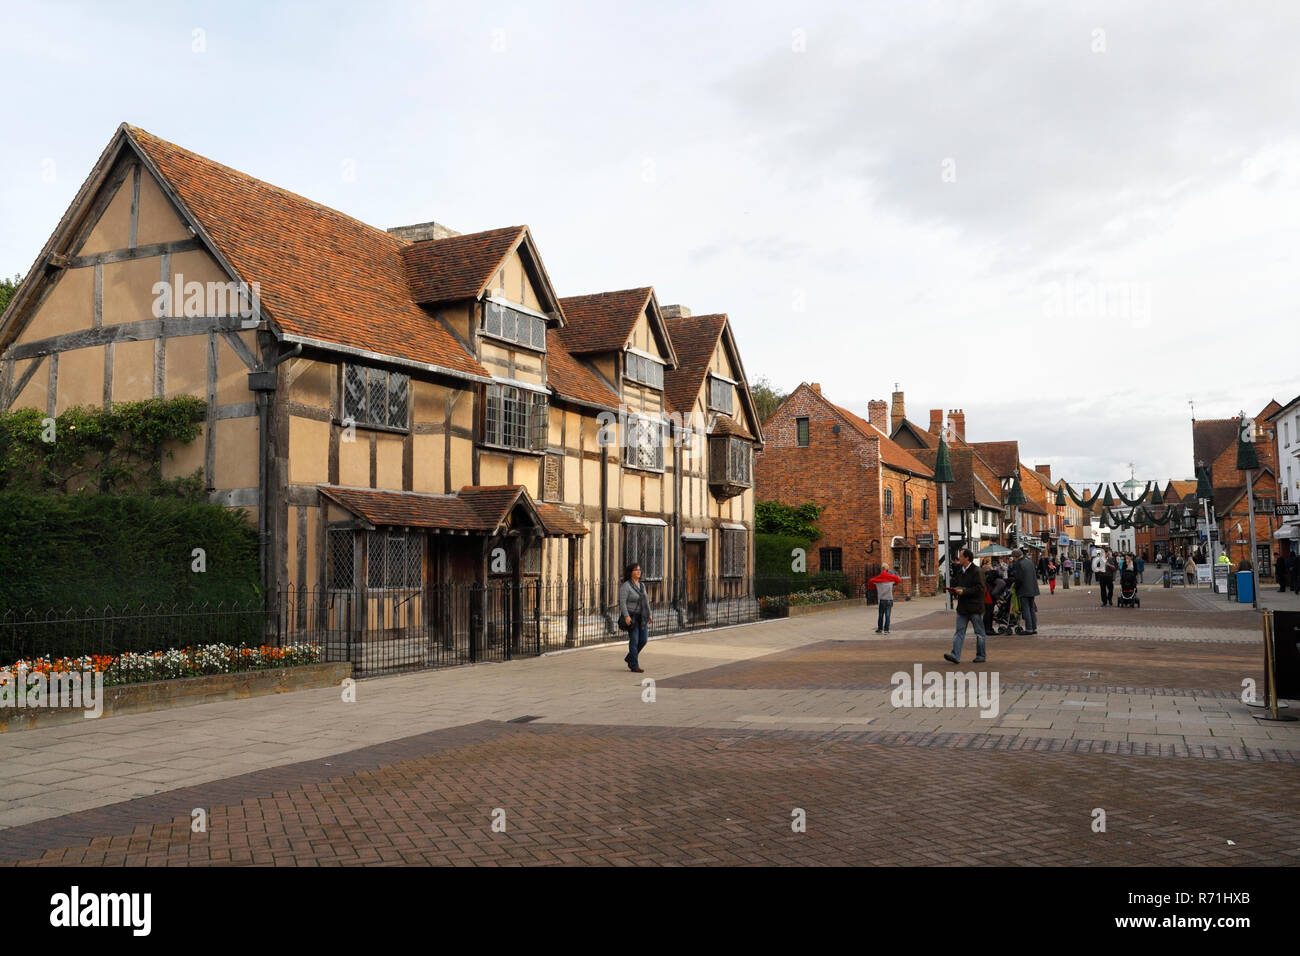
936	421
876	411
1044	470
674	312
897	412
421	231
958	422
816	387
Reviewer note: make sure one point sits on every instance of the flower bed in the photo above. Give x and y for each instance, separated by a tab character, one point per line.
819	596
779	605
132	668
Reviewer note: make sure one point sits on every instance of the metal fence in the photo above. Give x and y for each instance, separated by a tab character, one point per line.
379	631
77	632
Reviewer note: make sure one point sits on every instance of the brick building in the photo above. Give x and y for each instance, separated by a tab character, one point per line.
975	505
1214	443
880	500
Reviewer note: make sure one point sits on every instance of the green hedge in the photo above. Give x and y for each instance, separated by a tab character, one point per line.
86	550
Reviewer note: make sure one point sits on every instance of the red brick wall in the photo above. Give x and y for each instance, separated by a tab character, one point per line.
842	473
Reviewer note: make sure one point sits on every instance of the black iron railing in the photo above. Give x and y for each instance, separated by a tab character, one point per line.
379	630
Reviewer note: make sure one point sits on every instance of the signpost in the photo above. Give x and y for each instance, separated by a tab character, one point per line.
1221	572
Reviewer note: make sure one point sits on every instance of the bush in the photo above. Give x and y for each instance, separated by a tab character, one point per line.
772	517
831	581
84	550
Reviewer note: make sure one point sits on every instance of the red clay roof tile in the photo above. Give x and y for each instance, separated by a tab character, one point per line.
322	275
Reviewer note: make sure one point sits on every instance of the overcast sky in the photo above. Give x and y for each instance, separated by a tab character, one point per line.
1067	219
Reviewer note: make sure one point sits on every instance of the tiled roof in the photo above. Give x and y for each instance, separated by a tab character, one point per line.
891	453
1002	456
694	339
474	508
458	267
1211	436
726	425
571	378
322	275
966	490
602	322
926	438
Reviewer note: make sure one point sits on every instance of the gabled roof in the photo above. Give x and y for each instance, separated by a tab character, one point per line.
1211	436
324	276
1282	408
481	509
924	438
603	322
694	338
966	491
1002	456
891	453
457	267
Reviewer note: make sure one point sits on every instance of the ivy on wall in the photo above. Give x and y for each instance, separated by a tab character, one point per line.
117	450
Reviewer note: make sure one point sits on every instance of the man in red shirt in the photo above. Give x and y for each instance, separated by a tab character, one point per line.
884	584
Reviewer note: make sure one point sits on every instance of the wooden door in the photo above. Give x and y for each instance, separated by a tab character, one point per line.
695	604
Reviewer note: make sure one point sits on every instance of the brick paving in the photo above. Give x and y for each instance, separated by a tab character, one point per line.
687	796
749	723
1201	668
1161	608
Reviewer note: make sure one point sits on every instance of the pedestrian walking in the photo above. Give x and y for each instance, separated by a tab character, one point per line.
1042	569
968	586
634	613
884	583
1141	564
1283	572
1087	569
1189	569
1105	581
1051	576
1026	585
1067	566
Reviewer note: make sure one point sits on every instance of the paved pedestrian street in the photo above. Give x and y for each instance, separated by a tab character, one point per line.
773	743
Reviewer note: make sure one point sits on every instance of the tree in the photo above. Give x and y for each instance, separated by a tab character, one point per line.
767	397
7	289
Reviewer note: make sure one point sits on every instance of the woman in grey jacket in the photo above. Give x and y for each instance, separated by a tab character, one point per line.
634	612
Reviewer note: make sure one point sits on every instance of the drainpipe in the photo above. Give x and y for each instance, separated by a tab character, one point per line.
679	570
915	576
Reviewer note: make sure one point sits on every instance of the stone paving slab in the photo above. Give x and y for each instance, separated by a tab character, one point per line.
618	795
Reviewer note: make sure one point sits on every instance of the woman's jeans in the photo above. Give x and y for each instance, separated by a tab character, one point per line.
636	638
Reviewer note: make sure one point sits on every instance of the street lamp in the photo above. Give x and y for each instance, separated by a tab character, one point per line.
943	478
1248	462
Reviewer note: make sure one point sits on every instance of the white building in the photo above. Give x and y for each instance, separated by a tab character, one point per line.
1286	433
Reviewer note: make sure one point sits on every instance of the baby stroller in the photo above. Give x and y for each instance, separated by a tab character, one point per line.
1006	613
1128	589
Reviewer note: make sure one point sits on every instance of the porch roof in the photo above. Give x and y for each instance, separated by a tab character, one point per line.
477	509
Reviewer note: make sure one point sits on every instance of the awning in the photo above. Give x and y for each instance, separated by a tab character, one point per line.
475	509
1288	531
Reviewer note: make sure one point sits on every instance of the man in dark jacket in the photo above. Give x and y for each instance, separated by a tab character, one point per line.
1026	582
968	586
